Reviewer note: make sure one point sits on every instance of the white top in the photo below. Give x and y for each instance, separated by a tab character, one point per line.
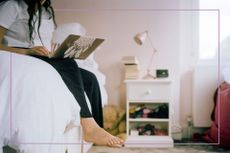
14	17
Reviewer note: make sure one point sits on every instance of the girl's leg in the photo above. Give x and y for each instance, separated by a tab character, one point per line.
70	74
92	90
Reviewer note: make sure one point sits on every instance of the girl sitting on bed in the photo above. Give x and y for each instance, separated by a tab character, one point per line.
18	20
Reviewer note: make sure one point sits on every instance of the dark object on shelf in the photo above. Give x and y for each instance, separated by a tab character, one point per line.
162	73
137	114
137	111
160	112
148	129
144	112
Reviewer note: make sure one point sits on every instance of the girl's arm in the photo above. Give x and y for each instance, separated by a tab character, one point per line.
37	50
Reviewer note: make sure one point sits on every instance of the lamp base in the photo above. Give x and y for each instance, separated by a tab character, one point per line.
148	76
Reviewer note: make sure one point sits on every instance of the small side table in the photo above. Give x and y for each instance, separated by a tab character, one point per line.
148	119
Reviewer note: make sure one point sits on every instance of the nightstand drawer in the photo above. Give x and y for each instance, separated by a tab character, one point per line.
148	91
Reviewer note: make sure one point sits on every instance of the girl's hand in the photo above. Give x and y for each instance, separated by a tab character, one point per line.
38	50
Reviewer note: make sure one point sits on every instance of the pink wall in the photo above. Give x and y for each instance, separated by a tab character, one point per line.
117	23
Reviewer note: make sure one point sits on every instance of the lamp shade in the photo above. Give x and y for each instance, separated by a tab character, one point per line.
140	37
64	30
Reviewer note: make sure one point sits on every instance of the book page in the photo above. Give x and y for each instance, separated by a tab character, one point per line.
75	46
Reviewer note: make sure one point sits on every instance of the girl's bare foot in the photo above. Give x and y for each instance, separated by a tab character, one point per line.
95	134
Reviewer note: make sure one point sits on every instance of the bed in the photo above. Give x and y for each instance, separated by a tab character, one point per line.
36	106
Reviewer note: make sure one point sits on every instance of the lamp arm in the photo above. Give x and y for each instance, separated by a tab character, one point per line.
153	52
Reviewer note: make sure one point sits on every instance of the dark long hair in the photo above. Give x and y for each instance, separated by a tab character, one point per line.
33	7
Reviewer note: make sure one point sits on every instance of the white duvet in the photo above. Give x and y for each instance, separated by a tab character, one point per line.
35	106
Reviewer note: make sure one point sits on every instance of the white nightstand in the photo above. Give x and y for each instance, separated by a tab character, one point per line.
148	113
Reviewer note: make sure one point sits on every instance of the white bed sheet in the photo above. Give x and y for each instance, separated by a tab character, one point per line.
35	106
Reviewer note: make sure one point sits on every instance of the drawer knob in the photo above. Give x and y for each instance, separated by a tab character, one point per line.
148	92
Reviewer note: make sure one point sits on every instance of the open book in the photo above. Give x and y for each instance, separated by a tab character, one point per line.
75	46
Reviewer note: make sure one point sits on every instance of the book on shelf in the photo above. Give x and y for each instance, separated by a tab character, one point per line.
131	75
129	60
131	68
75	46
